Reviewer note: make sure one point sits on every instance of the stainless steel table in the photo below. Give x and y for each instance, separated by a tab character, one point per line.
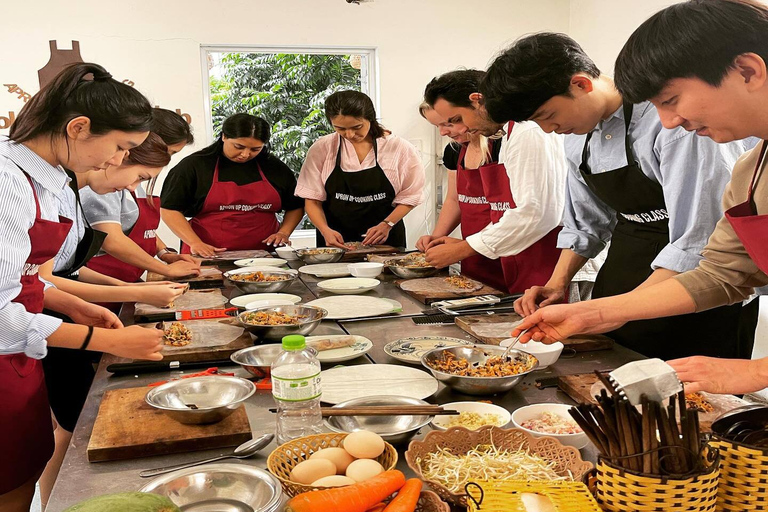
79	479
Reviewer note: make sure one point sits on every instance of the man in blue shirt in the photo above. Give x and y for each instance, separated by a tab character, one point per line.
653	193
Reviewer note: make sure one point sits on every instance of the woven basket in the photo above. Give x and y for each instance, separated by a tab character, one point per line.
286	456
431	502
567	459
504	496
743	476
620	490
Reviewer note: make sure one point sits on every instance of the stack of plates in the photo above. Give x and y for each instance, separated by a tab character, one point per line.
348	285
354	306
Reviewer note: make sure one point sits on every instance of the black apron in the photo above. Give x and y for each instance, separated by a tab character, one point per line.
641	232
356	201
91	242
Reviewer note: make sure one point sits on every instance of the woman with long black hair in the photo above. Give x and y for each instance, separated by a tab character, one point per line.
232	191
360	181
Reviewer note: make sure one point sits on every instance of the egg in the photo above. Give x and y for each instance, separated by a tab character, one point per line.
364	445
339	456
333	481
363	469
311	470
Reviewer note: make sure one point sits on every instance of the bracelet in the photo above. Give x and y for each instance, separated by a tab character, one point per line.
87	338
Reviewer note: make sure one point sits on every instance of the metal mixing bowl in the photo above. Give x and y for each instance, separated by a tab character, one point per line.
393	429
333	256
477	354
412	272
265	286
214	397
258	360
220	487
312	318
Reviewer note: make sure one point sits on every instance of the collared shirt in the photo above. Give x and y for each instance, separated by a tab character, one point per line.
21	331
693	172
68	208
536	167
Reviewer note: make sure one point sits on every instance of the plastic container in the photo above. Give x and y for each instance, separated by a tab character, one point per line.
296	389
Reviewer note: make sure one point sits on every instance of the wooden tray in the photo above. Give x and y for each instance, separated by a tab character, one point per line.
212	339
195	299
428	297
210	277
481	326
127	427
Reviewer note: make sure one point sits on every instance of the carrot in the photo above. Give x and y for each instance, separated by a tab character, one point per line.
351	498
407	498
378	508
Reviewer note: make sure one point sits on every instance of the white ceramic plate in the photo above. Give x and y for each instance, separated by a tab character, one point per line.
363	380
326	269
244	300
410	350
337	355
441	422
349	285
256	262
353	306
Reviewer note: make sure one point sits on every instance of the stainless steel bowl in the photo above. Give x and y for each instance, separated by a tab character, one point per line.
258	360
412	272
312	318
477	354
220	487
393	429
200	400
266	286
333	256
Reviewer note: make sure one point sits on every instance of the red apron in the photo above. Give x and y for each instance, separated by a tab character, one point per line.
143	234
533	266
26	431
237	217
475	216
751	228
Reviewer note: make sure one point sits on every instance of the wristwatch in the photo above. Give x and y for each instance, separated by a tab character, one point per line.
165	250
389	223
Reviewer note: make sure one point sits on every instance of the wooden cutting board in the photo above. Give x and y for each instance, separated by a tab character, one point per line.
194	299
361	254
212	339
583	387
493	329
210	277
434	295
234	256
127	427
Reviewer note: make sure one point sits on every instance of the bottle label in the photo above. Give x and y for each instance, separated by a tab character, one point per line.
296	390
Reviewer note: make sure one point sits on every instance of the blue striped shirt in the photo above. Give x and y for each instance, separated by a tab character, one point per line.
21	331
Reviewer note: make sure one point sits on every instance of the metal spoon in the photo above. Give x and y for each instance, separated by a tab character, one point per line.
509	347
245	450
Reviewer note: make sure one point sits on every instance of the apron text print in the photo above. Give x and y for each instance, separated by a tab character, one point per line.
472	199
244	207
360	199
642	218
501	207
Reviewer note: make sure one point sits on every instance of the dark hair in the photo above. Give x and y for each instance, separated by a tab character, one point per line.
153	152
171	127
354	104
454	87
694	39
530	72
82	89
242	125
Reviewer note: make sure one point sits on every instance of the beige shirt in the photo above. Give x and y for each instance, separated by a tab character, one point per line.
727	274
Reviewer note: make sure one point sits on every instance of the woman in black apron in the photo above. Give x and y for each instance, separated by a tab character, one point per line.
365	205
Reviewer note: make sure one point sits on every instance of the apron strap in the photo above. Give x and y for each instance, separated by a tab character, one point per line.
756	175
628	109
585	153
462	154
34	193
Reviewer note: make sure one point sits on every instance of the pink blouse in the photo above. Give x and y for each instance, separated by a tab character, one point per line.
397	157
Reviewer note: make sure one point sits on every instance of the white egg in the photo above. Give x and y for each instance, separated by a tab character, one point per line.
333	481
339	456
364	445
311	470
363	469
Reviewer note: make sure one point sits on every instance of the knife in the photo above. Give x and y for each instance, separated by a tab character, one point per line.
161	366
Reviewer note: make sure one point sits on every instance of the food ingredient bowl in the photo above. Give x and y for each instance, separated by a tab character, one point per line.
287	253
309	317
546	354
442	422
365	269
200	400
320	254
229	487
478	355
262	286
411	272
258	360
529	412
393	429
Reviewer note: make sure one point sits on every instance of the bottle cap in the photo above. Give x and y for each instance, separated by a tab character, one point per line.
294	342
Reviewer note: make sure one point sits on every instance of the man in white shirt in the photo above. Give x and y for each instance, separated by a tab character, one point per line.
525	189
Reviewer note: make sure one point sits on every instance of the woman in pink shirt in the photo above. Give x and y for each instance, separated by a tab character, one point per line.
360	181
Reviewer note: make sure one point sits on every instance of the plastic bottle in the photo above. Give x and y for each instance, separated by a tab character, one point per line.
296	389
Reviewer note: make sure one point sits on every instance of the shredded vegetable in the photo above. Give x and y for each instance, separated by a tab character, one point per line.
271	318
460	282
474	420
551	423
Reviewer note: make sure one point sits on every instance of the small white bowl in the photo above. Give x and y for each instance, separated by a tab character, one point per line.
287	253
530	412
268	302
546	354
260	262
441	422
365	269
348	285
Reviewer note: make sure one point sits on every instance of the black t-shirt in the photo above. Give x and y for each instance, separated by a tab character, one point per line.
453	149
189	182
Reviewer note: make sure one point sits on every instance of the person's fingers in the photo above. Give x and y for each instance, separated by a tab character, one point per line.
435	243
693	387
518	305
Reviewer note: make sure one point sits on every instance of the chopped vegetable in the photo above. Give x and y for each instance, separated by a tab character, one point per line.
474	420
352	498
494	366
258	277
407	498
551	423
